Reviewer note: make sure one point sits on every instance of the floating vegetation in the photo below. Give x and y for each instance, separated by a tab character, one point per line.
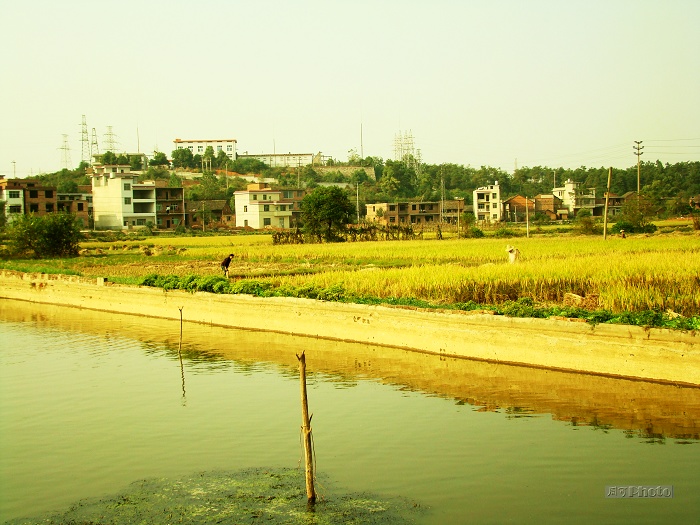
271	496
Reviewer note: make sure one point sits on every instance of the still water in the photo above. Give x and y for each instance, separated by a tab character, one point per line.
91	402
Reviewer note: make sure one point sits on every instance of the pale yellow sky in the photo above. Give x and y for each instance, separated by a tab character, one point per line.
557	83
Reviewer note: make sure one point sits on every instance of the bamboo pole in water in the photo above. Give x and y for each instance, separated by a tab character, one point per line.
306	431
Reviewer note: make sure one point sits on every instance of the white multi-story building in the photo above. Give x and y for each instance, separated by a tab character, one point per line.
13	194
487	203
261	207
119	201
198	147
286	160
567	194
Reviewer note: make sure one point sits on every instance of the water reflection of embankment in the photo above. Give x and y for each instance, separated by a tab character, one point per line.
649	410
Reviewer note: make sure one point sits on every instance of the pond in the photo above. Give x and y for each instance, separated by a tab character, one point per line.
91	402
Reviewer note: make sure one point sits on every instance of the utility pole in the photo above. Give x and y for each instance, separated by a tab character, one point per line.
607	199
638	151
527	217
14	169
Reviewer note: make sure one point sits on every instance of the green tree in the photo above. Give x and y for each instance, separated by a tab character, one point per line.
136	162
221	161
53	235
183	158
159	159
326	211
109	158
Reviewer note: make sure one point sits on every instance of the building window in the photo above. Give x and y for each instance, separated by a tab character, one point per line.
14	194
495	216
80	206
392	219
127	200
267	221
141	222
33	194
255	197
159	207
33	208
176	222
266	207
494	195
16	209
218	148
49	207
245	209
49	194
160	221
229	147
200	148
127	186
126	223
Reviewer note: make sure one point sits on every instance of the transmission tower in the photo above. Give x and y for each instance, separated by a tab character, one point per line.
110	141
94	148
65	156
405	151
85	141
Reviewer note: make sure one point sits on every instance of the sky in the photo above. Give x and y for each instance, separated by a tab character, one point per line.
501	83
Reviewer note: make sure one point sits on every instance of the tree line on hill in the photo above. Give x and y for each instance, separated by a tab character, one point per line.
669	187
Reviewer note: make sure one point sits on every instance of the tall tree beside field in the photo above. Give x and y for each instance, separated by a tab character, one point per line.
325	212
53	235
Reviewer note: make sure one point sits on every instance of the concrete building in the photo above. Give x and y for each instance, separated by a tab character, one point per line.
170	206
287	160
487	203
25	196
259	207
119	201
294	196
212	213
198	147
79	204
423	212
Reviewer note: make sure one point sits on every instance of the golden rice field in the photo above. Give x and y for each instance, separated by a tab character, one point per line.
633	274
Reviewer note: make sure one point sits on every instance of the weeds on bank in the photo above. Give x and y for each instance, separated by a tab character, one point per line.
522	307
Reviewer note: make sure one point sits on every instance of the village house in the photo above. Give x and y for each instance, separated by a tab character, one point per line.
259	207
119	201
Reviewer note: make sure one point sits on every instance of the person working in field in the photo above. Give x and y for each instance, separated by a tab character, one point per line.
225	263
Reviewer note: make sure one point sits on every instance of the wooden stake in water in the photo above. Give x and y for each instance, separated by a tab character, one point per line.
179	353
306	432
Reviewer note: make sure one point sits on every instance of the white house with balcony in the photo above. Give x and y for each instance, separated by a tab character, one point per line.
261	207
119	201
487	203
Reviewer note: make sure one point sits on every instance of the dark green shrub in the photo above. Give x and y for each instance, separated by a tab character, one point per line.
53	235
